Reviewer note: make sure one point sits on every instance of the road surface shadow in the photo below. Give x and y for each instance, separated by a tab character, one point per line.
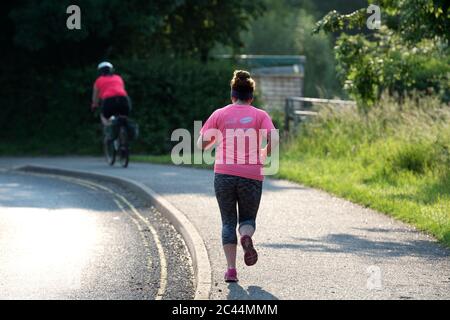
237	292
386	230
352	244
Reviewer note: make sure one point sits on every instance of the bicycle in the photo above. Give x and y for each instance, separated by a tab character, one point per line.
119	145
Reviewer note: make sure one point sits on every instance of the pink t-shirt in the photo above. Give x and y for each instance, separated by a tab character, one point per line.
238	131
110	86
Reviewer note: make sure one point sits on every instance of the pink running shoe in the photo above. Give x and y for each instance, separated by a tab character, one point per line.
250	254
231	275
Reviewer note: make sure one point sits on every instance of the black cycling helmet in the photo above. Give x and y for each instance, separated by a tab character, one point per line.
105	68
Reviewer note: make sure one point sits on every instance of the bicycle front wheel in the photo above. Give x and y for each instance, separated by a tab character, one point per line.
110	151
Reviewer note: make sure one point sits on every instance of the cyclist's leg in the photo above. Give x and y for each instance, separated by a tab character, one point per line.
123	106
107	110
103	119
130	104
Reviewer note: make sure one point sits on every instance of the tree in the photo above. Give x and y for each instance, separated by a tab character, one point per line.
273	32
320	74
409	53
113	28
412	19
285	29
109	28
196	26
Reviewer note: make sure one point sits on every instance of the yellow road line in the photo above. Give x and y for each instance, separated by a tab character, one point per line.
141	233
162	256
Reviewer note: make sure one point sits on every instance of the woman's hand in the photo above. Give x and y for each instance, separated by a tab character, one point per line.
263	155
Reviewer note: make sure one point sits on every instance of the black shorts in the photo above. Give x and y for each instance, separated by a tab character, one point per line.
116	106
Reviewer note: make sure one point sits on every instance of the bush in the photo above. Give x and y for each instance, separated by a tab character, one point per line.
413	157
52	114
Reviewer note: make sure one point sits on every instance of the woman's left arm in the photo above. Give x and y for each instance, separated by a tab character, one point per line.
272	139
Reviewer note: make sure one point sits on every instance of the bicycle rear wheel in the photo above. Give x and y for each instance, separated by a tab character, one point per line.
124	156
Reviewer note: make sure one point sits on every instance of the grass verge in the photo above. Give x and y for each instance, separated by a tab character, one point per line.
394	159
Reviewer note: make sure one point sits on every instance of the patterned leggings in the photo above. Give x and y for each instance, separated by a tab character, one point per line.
232	191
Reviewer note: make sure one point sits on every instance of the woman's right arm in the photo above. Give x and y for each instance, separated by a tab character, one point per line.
206	140
205	144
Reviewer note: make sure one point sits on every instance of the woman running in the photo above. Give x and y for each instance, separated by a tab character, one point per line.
238	130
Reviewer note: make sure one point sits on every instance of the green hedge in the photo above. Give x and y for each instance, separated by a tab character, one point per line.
49	112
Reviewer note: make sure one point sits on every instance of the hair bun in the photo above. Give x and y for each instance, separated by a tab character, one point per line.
242	85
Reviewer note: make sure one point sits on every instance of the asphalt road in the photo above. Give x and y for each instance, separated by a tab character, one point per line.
72	239
311	245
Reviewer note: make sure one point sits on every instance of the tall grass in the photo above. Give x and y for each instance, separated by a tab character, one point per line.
394	158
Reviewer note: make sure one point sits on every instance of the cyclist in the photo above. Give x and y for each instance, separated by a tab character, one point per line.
109	93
